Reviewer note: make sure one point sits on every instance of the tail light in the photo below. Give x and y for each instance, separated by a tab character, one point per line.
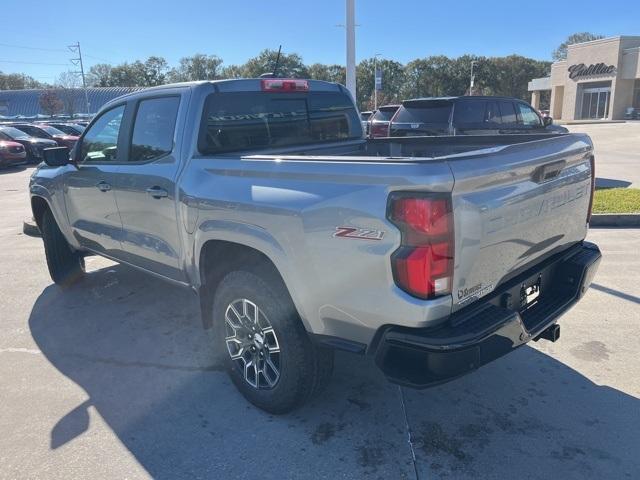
592	161
284	85
379	130
423	264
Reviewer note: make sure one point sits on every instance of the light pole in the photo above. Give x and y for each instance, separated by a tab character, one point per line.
351	48
473	64
375	80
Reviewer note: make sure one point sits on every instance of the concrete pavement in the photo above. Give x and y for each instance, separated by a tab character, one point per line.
114	379
617	149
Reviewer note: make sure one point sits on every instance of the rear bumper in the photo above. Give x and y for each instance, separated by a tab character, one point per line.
489	328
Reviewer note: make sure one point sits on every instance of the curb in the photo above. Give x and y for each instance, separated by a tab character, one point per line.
621	220
30	228
590	122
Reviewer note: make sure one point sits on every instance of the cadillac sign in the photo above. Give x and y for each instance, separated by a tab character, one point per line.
582	70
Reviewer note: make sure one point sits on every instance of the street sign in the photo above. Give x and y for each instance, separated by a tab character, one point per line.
378	79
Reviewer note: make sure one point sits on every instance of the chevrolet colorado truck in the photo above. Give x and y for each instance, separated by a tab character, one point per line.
433	255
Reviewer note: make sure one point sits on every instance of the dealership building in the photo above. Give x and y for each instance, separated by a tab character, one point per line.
598	80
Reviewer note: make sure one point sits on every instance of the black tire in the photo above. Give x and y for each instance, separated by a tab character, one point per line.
66	266
304	368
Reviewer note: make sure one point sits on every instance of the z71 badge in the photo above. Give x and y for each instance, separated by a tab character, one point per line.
359	233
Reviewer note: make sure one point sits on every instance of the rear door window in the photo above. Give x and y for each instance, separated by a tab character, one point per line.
508	113
492	113
469	112
248	121
434	111
153	128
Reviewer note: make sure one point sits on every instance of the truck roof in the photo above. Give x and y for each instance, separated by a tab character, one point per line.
461	97
233	85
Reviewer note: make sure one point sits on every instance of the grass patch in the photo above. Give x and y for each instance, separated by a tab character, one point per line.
617	200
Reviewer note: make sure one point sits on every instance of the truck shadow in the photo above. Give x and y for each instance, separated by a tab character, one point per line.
136	346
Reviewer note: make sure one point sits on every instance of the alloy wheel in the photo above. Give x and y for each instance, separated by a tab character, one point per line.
252	344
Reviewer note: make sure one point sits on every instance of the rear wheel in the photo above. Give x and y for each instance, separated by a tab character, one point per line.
265	348
66	266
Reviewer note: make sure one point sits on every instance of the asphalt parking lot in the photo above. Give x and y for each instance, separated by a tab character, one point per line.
114	379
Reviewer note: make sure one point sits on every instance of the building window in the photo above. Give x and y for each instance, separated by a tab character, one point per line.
636	93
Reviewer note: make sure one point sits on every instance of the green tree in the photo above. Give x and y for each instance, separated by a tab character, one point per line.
510	75
100	75
393	79
328	73
197	67
18	81
560	53
436	76
125	75
289	65
233	71
152	72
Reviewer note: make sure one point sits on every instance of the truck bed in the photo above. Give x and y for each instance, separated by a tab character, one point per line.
415	148
516	198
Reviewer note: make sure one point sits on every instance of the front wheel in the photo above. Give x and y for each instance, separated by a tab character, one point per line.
66	266
266	350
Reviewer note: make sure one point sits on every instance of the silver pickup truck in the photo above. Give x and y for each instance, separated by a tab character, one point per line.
432	255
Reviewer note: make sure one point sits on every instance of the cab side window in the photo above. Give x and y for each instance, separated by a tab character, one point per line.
469	113
492	113
154	128
508	113
528	116
100	143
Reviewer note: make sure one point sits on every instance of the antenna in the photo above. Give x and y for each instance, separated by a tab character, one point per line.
275	69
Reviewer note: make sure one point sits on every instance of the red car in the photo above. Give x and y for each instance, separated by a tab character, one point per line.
379	121
48	132
12	153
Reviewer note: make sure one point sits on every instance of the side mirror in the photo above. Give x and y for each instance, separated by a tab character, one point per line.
56	156
547	121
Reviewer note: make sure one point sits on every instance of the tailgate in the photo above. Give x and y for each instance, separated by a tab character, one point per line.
514	206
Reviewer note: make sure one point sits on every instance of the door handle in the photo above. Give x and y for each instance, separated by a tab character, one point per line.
157	192
103	186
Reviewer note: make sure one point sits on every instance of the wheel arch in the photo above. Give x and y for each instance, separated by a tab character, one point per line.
38	206
219	257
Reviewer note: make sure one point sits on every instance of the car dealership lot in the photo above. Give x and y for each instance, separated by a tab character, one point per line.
113	378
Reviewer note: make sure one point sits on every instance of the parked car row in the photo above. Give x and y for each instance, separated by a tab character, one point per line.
467	115
12	153
35	137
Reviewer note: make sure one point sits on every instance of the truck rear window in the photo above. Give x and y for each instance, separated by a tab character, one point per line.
434	111
254	120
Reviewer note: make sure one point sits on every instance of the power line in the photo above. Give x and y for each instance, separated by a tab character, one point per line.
98	58
32	48
50	50
34	63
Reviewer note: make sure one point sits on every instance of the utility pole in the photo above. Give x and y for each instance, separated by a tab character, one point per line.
351	48
472	82
78	62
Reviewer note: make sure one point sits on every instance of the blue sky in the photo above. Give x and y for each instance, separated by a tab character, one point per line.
118	30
